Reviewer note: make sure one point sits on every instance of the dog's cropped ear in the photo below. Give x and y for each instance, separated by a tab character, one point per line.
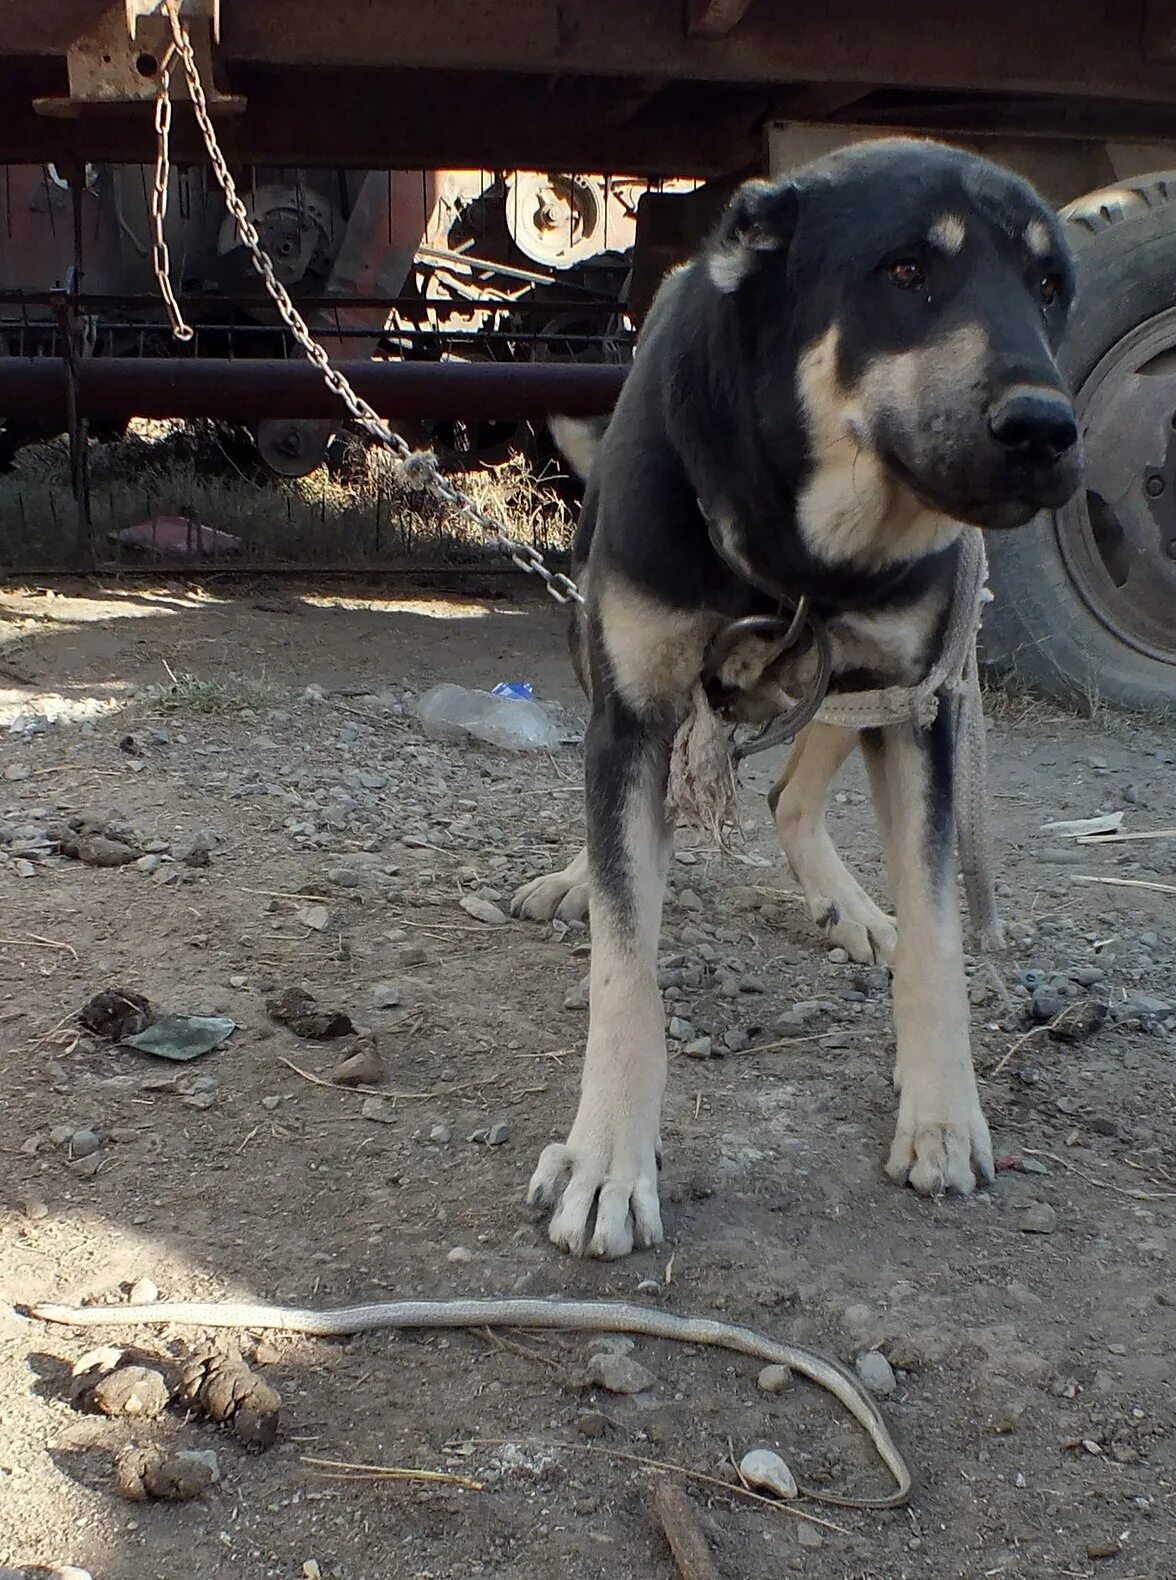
759	219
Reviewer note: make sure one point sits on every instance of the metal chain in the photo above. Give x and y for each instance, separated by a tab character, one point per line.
420	467
160	254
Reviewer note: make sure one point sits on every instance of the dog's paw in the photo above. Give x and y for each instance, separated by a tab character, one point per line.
562	895
604	1198
854	923
941	1143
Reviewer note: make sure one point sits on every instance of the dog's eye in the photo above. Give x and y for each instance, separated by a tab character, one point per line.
907	273
1050	287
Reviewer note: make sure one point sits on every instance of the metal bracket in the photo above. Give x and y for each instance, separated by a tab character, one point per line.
118	61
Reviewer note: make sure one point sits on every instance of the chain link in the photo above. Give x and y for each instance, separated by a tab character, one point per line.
420	466
160	254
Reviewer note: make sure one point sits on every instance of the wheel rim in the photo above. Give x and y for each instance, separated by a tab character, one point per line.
1118	534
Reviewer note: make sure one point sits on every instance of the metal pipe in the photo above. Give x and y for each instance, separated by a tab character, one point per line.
112	389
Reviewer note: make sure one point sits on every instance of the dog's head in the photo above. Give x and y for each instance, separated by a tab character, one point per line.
902	303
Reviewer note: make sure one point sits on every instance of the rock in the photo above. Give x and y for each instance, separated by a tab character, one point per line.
876	1372
498	1135
774	1379
144	1292
86	1168
35	1208
1146	1005
386	995
808	1535
736	1039
83	1143
362	1066
1103	1547
689	901
680	1030
134	1391
1046	1004
344	877
482	910
1038	1218
441	1134
765	1471
379	1110
617	1374
60	1135
150	1471
699	1048
838	956
460	1254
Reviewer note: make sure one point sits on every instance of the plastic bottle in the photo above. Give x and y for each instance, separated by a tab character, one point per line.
506	720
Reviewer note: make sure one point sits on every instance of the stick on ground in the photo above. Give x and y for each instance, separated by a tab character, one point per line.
683	1533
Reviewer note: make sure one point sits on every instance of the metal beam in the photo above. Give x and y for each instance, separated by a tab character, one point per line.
112	389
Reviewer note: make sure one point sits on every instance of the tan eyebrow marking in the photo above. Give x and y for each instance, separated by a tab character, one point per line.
948	233
1037	237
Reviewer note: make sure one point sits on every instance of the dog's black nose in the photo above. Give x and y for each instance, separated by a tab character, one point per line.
1036	424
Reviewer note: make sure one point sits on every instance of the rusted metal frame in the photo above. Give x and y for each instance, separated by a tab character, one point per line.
249	389
71	328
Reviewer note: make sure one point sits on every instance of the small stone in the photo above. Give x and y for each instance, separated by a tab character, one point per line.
386	995
441	1134
1046	1004
83	1143
1103	1547
266	1354
343	877
362	1066
144	1292
699	1048
735	1040
838	956
808	1535
577	997
378	1109
460	1254
270	1103
1146	1005
876	1372
136	1391
689	901
149	864
1033	1166
680	1030
482	910
24	868
1038	1218
86	1168
765	1471
774	1379
35	1208
60	1135
414	955
498	1135
311	1570
618	1374
238	981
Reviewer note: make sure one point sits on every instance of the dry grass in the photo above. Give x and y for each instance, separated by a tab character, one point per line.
356	510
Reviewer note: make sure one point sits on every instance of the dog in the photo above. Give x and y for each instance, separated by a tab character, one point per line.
856	370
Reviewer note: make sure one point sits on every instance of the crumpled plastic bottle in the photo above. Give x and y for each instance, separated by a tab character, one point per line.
504	719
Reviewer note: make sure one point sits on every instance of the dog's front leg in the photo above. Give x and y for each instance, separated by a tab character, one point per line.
941	1142
603	1180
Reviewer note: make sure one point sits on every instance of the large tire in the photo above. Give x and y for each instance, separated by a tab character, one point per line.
1064	620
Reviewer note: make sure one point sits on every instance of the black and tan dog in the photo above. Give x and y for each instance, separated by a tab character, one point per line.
856	370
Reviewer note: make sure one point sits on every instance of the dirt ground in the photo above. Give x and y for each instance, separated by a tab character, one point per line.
1035	1371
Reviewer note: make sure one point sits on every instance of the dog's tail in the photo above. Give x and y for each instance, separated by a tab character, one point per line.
578	439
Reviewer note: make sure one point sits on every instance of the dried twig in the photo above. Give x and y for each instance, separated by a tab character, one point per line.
1126	883
350	1472
281	894
1126	839
1038	1031
683	1533
378	1091
35	941
1091	1179
511	1347
731	1488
